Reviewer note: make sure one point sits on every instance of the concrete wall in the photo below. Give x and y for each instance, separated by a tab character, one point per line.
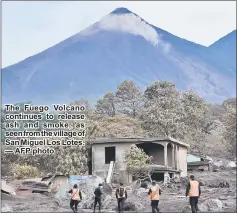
169	155
98	158
100	168
182	153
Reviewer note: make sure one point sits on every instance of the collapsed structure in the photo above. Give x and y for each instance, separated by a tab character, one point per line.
170	157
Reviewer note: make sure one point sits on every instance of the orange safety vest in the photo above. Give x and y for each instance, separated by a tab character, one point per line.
155	195
75	194
194	189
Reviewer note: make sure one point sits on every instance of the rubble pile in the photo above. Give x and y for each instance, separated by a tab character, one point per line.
209	205
175	183
218	194
138	199
212	205
87	188
223	164
221	184
62	197
217	180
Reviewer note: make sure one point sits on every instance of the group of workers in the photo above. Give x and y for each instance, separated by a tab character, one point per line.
193	191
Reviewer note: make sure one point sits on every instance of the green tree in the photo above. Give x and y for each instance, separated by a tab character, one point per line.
106	105
197	120
230	125
163	113
128	98
137	163
119	126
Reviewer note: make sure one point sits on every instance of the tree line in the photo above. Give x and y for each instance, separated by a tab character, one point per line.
160	110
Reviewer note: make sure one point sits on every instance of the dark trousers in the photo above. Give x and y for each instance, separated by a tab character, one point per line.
74	203
97	200
154	206
193	203
121	204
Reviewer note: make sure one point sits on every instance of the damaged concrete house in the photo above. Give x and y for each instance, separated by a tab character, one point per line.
170	157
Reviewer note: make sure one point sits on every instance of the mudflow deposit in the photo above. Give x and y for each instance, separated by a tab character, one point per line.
218	195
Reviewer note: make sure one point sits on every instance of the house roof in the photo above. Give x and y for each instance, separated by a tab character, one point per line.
137	140
193	158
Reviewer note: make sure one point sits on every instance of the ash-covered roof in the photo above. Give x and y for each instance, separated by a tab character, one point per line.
138	140
195	160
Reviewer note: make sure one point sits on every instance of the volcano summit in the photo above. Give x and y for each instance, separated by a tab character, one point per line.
121	46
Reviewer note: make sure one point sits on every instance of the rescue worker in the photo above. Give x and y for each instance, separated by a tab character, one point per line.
76	197
98	194
121	195
193	191
155	192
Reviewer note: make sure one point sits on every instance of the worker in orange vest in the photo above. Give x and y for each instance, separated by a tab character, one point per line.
76	197
193	191
154	192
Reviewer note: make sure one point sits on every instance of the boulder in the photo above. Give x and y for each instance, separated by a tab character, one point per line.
88	187
212	205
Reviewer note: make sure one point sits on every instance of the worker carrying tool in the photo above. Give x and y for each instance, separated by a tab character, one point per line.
121	195
193	191
154	192
98	194
76	197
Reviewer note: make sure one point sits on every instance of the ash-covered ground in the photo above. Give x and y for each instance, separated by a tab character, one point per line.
218	195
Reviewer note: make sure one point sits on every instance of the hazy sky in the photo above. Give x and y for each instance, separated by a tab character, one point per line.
30	27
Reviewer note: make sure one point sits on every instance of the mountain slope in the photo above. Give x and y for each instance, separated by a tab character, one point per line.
119	47
225	50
